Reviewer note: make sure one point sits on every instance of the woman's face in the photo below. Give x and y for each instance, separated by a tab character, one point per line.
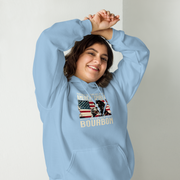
92	63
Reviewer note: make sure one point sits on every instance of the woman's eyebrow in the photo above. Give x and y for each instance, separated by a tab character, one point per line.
96	51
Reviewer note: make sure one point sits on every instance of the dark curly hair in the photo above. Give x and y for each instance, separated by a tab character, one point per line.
79	48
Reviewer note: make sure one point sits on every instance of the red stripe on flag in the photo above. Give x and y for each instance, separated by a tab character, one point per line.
84	111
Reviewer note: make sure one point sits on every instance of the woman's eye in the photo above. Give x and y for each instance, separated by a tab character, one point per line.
104	59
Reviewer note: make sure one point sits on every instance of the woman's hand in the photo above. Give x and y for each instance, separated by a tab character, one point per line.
102	20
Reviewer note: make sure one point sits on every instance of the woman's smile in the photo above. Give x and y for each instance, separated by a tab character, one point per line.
93	68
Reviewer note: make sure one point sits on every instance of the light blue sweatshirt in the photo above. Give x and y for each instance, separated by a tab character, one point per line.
85	133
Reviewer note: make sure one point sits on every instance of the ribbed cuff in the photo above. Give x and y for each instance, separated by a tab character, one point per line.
87	27
116	35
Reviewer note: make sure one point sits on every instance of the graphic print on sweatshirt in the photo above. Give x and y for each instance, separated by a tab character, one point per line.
89	112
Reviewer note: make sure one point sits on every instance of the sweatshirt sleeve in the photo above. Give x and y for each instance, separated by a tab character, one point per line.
49	57
133	65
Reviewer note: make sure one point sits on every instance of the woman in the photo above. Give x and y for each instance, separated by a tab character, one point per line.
82	105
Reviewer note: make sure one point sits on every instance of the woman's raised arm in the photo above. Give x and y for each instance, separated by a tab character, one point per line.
135	55
49	57
133	65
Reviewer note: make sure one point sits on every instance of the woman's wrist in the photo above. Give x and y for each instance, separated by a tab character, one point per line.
94	26
106	33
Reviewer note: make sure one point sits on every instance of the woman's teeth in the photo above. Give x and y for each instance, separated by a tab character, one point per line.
93	68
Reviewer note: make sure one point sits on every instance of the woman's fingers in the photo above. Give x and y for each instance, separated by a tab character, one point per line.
109	16
108	12
103	11
103	19
90	16
105	14
85	18
114	21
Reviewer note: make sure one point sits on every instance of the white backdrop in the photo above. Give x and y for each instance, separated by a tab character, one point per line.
21	22
154	111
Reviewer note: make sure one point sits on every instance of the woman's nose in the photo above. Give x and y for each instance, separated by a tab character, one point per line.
97	60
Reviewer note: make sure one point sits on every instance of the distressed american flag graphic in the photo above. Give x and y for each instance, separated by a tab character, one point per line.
87	108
